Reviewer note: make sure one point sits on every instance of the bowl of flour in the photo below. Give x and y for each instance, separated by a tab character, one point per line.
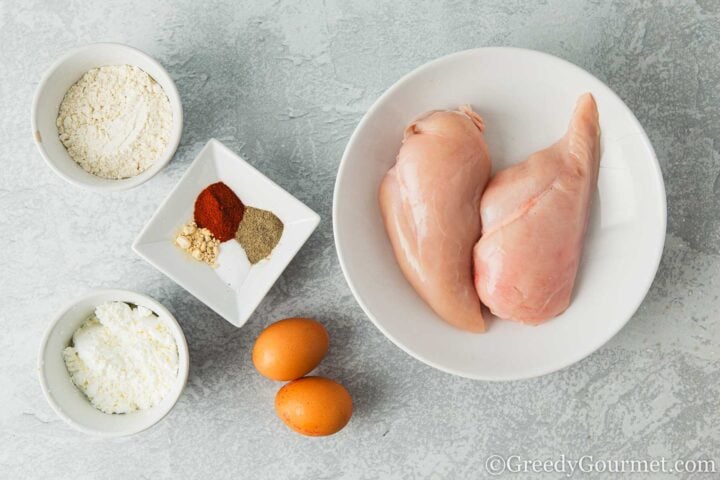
113	363
107	117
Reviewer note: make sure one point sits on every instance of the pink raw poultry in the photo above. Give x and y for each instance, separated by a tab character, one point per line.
534	218
430	201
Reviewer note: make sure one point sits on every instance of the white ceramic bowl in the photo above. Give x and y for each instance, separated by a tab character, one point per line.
235	288
69	402
526	99
51	90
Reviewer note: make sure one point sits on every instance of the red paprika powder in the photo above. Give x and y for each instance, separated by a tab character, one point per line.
218	209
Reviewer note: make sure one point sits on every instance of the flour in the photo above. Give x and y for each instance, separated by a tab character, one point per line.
115	121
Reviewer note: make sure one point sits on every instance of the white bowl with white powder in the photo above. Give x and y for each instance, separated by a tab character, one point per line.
117	128
72	404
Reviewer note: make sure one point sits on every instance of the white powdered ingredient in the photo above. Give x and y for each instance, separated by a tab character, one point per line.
122	358
115	121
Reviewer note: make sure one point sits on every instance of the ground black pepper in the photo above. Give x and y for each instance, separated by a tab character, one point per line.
258	233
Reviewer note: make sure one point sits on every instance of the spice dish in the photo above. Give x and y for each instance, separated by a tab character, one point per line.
234	287
69	402
133	68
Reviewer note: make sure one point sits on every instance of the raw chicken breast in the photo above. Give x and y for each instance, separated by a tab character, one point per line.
534	218
430	202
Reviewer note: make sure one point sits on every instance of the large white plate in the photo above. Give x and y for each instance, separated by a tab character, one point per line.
526	99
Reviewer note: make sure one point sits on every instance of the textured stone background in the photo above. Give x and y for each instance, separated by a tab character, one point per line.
284	84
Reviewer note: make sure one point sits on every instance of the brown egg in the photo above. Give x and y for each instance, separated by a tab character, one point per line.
290	348
314	406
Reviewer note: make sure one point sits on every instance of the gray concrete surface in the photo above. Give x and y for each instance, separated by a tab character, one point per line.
284	83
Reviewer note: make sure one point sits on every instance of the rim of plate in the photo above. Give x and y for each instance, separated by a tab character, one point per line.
399	84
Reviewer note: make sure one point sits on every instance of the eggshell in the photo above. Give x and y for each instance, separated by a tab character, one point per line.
314	406
290	348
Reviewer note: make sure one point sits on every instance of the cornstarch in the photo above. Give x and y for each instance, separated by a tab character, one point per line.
123	358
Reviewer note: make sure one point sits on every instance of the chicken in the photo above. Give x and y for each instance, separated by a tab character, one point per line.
534	217
430	203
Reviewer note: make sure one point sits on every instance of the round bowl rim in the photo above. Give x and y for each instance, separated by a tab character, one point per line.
158	309
120	184
340	254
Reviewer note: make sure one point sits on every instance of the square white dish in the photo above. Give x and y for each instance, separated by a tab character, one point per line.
235	288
